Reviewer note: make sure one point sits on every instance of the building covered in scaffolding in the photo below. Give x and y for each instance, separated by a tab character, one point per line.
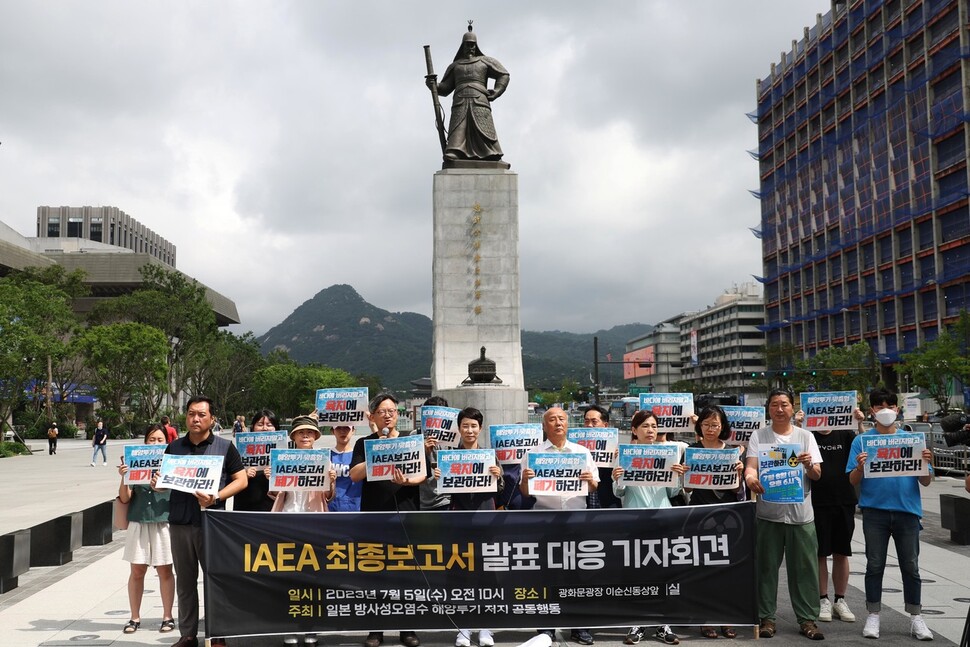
862	152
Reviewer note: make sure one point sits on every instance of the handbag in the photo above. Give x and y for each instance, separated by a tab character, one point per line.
120	514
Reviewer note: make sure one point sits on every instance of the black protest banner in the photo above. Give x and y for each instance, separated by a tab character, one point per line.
272	573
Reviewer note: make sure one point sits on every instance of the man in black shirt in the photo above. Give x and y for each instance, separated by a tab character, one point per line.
185	512
399	494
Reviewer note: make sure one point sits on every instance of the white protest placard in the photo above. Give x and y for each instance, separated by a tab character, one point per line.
895	454
511	442
255	446
829	410
292	470
404	453
342	407
190	474
672	410
466	470
557	474
441	423
744	421
600	441
711	469
648	465
142	462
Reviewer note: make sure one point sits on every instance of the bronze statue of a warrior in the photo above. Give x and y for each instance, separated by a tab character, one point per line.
471	131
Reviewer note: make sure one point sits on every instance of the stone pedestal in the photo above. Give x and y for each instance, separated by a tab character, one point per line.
476	286
501	405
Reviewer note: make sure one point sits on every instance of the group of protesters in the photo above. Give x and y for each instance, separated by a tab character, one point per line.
165	525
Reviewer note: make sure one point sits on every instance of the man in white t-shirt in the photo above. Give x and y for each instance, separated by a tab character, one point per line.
555	423
785	530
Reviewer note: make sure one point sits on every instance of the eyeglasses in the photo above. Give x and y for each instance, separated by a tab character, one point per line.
386	412
713	427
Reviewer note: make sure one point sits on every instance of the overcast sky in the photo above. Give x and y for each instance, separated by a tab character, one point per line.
284	147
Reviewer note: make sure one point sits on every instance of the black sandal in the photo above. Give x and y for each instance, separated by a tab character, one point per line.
167	625
131	627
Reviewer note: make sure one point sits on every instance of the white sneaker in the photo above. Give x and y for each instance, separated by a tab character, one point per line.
825	610
485	638
841	610
92	464
462	640
871	630
918	628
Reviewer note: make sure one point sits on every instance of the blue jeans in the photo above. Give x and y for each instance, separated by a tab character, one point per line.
104	454
877	527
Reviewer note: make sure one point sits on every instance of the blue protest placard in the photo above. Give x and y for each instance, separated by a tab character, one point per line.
441	423
673	410
342	407
648	465
556	473
404	453
829	410
466	470
511	442
600	441
190	474
711	469
780	473
255	446
895	454
142	462
299	469
744	421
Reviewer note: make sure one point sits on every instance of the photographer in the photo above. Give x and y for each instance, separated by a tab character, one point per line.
956	431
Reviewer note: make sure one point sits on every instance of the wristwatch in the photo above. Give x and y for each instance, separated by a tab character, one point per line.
216	502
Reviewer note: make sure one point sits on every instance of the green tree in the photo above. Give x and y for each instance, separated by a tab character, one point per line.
171	302
837	368
934	365
224	371
127	364
36	321
289	389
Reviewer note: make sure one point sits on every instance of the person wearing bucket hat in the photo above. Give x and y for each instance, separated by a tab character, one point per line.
304	433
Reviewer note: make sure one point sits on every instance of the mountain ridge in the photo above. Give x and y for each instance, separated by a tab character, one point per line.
338	328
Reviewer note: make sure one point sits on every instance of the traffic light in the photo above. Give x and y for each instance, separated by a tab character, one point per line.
813	373
754	375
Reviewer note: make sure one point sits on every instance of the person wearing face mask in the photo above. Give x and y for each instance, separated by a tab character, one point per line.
891	507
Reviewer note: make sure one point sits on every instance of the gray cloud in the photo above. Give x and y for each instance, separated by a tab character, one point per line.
287	146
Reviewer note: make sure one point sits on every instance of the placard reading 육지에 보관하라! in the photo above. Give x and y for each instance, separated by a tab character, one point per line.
895	454
142	462
649	465
600	441
673	410
255	446
511	442
190	474
343	406
711	469
441	423
829	410
293	470
557	473
384	455
744	421
466	470
780	473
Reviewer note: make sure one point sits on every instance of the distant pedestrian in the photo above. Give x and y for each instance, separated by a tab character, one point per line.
52	439
100	444
171	433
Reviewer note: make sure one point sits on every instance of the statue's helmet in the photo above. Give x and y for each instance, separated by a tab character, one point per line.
468	37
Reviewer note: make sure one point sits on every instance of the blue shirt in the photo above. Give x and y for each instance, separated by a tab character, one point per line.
899	493
347	497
